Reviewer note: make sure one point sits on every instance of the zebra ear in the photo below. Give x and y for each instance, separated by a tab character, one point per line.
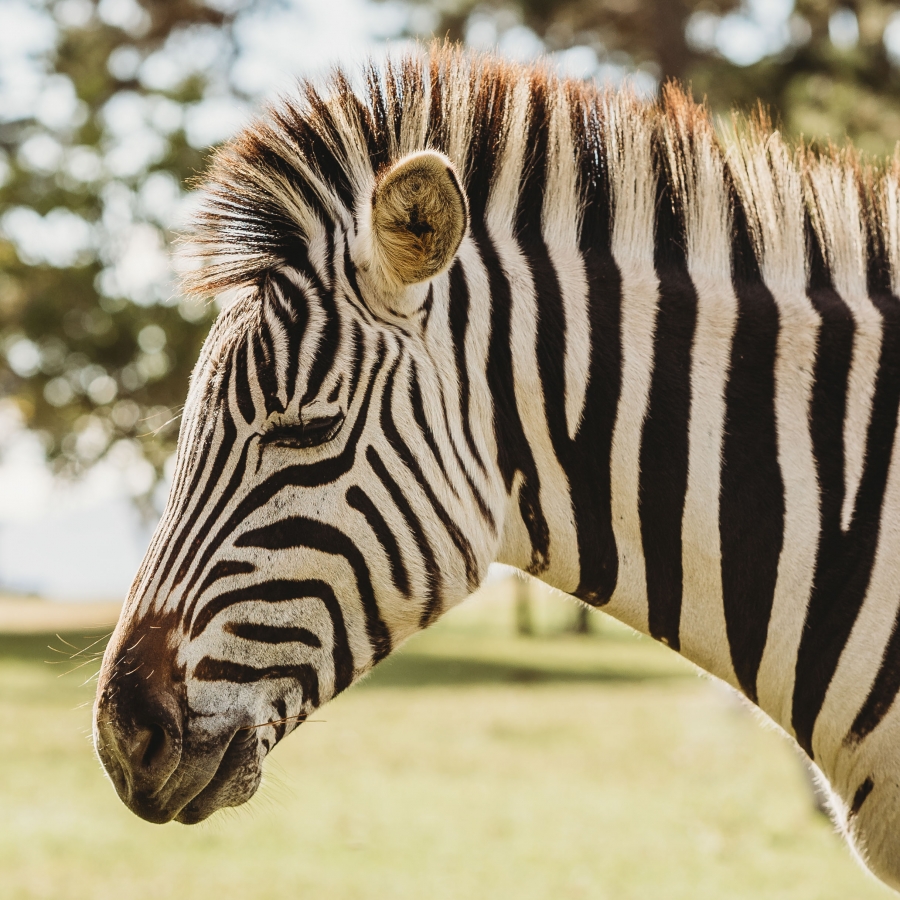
419	216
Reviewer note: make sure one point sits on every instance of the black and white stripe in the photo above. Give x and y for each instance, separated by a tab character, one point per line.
662	373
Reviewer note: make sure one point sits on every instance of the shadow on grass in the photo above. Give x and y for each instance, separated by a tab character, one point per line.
414	670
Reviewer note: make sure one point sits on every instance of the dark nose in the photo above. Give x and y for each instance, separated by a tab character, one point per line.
139	730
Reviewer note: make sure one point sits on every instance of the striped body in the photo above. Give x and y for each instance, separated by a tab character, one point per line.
658	374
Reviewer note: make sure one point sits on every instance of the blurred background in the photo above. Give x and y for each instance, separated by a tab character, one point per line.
522	748
108	110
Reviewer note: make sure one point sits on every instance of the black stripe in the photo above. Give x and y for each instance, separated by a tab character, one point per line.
480	502
209	669
330	266
827	411
751	498
326	350
860	796
513	452
664	444
295	532
356	359
280	591
272	634
459	326
883	691
355	296
392	433
434	600
264	360
359	501
242	384
223	569
280	713
418	410
589	465
845	559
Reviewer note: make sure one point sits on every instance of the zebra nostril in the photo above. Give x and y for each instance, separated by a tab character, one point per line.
154	746
140	740
150	744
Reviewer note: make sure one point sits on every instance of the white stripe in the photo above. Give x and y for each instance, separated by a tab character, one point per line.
312	334
703	634
633	184
794	370
561	225
478	340
279	345
890	218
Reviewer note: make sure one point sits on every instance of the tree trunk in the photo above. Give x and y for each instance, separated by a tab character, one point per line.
672	51
582	619
524	622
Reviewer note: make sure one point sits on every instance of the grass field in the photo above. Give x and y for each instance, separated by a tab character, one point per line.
475	764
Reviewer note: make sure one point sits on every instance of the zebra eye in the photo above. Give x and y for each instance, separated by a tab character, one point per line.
309	432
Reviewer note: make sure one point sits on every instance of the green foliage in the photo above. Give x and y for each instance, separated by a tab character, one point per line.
820	90
98	344
823	68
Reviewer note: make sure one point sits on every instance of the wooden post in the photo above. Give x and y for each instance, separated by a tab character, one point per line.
524	621
582	619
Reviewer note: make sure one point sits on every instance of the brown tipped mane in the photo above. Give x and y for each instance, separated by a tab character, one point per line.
309	160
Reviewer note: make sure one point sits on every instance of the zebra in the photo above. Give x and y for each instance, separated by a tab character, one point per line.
474	312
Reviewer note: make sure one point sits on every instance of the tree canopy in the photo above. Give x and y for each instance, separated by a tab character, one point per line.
97	343
107	109
826	69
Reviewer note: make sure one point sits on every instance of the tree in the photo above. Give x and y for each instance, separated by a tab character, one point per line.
97	343
826	69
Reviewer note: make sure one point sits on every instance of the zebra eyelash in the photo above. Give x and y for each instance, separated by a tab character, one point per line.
314	432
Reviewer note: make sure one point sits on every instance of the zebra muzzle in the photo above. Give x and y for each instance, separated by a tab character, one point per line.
139	741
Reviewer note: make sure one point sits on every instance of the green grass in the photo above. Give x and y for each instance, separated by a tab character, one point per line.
472	765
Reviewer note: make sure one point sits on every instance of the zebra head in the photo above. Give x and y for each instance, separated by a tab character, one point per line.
328	501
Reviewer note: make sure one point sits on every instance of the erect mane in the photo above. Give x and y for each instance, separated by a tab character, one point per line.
275	193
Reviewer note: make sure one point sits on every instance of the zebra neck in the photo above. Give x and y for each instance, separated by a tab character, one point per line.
707	459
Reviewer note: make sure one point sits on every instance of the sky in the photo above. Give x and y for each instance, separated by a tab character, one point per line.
85	541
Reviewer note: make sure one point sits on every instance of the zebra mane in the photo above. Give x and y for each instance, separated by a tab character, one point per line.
579	154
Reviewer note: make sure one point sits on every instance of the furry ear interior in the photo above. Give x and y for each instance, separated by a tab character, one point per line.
419	217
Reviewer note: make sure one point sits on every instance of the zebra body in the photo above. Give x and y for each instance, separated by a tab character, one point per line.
481	314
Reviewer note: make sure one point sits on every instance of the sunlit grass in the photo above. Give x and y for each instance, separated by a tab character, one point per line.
473	765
